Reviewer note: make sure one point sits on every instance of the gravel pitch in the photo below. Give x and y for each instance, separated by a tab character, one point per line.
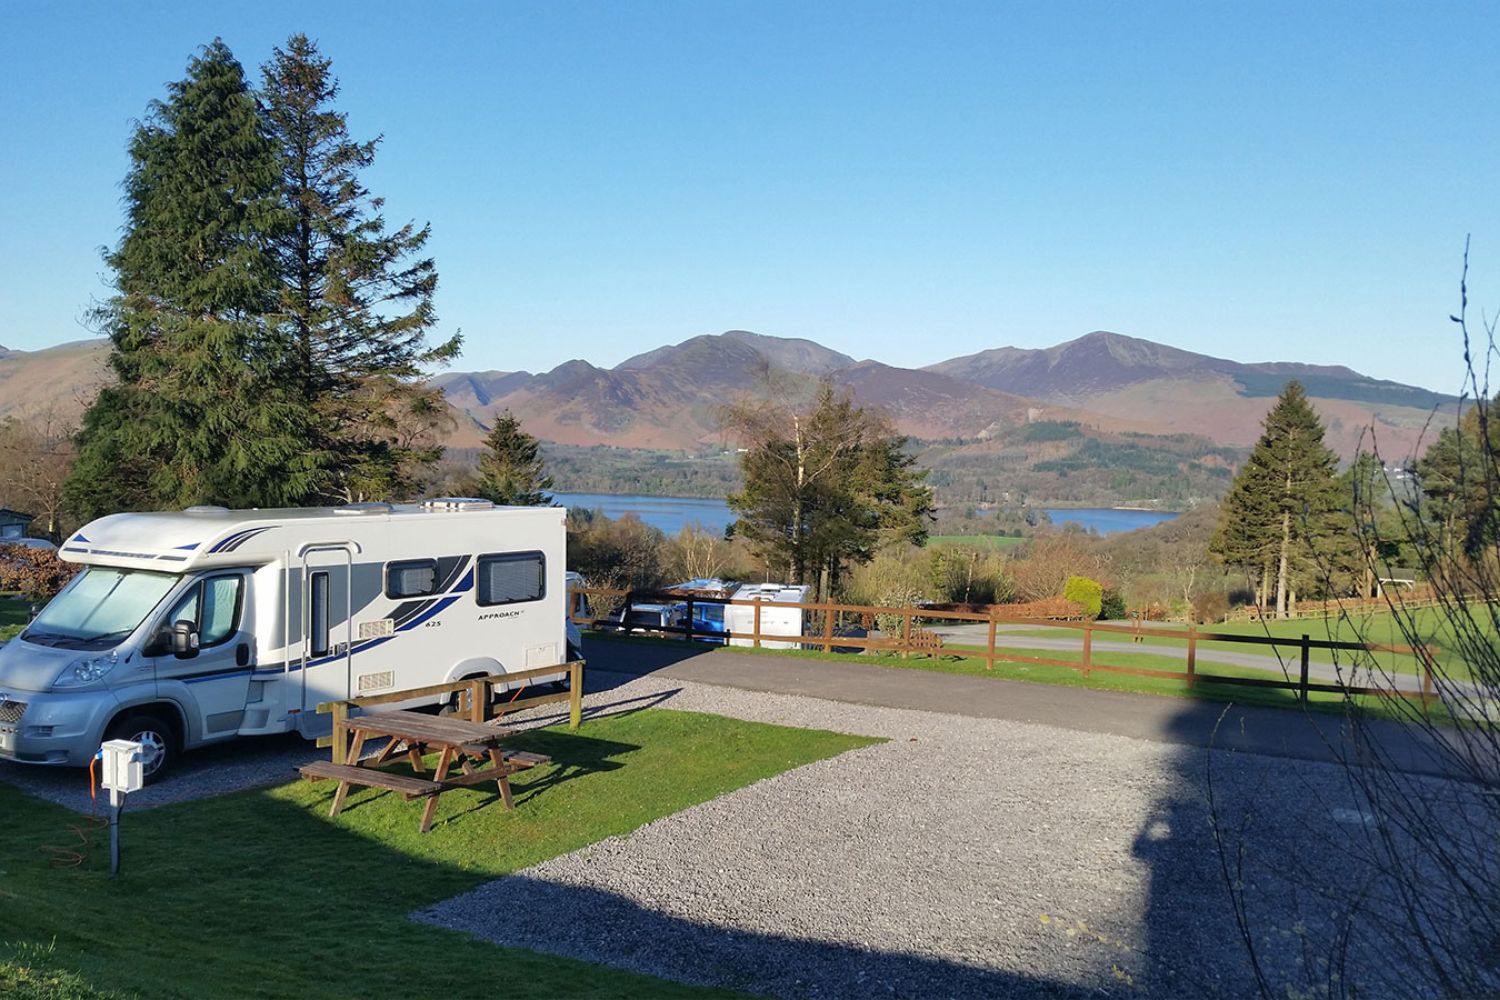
253	762
962	858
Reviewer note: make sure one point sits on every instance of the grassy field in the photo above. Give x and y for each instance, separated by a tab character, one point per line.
13	614
260	894
977	541
1375	628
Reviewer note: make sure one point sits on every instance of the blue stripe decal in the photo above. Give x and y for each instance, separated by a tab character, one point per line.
214	677
189	548
234	541
466	584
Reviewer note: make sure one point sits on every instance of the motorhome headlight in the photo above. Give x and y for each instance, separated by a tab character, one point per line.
85	670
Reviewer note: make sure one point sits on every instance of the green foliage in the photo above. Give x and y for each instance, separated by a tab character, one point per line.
1051	430
825	486
268	333
1085	592
1285	510
202	409
355	301
615	552
1112	605
510	469
1456	476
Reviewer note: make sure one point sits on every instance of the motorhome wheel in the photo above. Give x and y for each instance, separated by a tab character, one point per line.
156	736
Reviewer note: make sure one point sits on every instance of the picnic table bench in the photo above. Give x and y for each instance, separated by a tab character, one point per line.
473	746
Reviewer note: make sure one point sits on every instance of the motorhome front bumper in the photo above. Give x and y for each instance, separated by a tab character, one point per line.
38	727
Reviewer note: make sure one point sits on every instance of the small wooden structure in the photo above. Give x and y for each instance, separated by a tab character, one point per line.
13	524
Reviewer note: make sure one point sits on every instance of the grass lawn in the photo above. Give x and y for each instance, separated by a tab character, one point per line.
977	541
13	614
259	893
1373	627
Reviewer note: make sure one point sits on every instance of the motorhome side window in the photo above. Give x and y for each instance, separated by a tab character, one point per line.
511	578
213	606
318	608
413	578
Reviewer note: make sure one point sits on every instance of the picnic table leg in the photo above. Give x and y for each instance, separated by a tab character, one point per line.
338	799
444	759
356	747
504	780
390	751
414	754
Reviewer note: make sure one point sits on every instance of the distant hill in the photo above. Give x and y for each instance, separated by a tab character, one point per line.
669	397
63	379
1181	391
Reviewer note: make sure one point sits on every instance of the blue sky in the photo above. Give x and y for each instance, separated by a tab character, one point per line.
908	182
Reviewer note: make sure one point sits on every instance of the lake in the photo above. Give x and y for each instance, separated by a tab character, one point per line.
670	514
1108	520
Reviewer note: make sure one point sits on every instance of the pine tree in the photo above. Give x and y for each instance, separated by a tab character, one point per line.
200	411
1285	503
355	300
511	470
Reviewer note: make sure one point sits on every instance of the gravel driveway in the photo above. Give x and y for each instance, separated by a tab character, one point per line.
964	857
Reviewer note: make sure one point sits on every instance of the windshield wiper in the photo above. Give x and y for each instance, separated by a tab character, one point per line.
118	633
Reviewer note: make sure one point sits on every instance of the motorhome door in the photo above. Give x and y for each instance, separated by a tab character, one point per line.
328	624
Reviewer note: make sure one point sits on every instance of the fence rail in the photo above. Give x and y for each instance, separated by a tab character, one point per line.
476	700
823	620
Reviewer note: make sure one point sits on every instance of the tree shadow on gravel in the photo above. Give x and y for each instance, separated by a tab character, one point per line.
609	929
1259	873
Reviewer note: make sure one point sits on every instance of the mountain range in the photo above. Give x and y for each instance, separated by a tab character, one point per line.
670	397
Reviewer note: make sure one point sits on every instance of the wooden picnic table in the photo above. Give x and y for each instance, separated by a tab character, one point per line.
473	746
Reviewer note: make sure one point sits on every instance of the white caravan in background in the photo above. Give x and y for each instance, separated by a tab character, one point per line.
191	627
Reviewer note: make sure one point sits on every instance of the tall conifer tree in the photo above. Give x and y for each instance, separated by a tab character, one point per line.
200	411
1285	504
356	300
511	470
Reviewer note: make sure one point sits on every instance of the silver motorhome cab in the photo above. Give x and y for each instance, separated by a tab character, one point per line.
191	627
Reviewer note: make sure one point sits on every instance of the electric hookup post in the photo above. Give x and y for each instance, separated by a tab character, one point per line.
122	773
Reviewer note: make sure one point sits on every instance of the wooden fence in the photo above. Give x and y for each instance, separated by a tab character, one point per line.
913	639
476	700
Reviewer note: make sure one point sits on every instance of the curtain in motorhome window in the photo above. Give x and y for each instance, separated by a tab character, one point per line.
511	578
415	578
213	607
318	614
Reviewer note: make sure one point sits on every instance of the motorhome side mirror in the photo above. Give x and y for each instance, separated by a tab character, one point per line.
184	639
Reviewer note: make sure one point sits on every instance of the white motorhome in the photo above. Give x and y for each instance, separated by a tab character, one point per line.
191	627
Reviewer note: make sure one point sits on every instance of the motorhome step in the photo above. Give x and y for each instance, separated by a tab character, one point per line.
369	777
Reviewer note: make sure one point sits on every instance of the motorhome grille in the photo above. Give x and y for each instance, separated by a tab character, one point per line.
11	711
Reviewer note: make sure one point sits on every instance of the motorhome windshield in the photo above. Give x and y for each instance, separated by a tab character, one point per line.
99	608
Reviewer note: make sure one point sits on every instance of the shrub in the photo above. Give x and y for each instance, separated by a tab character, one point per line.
1088	593
1210	606
37	573
1112	605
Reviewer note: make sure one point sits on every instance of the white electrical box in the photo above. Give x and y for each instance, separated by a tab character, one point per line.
122	769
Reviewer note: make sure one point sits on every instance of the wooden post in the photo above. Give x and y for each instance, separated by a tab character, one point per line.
1306	651
906	635
756	627
1088	648
340	748
575	694
989	656
828	628
1426	656
1192	664
479	700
